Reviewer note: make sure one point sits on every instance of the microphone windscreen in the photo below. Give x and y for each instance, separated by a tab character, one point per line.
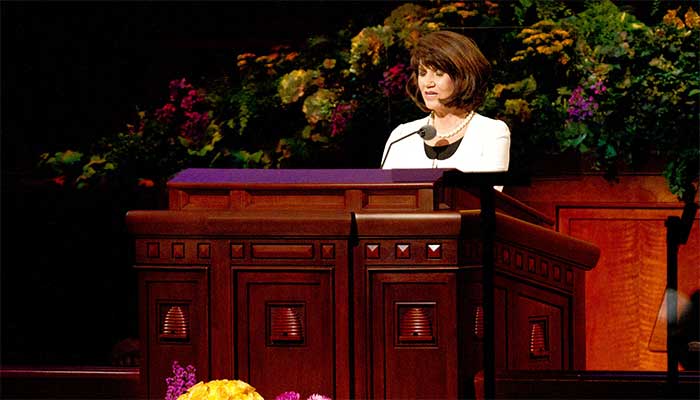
427	132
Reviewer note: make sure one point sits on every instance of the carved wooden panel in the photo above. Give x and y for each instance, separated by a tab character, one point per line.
174	307
292	252
414	335
186	251
538	329
625	290
285	330
409	251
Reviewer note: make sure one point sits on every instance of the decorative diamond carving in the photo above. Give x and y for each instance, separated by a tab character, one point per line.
403	250
153	250
327	251
372	250
434	250
203	250
237	250
178	250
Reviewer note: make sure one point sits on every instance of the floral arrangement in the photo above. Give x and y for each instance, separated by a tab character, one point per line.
604	84
181	386
222	389
588	77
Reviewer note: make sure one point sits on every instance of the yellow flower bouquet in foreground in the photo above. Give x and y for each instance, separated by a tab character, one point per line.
222	389
181	386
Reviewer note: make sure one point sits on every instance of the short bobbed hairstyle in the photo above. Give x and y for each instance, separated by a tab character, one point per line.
460	58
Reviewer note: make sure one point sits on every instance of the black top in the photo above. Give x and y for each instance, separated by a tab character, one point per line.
441	152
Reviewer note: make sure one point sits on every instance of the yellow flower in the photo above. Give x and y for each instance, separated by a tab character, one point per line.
293	85
319	106
329	63
671	19
692	19
222	389
368	46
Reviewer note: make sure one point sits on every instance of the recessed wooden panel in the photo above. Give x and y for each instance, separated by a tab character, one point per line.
538	337
422	369
303	251
175	315
195	199
391	200
275	200
305	365
625	290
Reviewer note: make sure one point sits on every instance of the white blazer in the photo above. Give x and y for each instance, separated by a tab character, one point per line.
484	148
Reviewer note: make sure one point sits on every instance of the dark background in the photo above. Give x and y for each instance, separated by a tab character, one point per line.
73	72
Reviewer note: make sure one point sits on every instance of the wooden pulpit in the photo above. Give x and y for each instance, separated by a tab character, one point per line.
349	283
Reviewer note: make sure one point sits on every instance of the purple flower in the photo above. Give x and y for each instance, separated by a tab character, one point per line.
581	107
288	396
195	126
598	87
182	379
342	114
394	80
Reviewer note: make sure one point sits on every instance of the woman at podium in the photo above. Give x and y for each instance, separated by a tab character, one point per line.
449	81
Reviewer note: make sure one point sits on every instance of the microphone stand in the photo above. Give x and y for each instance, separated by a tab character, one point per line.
426	132
677	232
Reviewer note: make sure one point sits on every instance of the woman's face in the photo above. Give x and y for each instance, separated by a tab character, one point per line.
434	86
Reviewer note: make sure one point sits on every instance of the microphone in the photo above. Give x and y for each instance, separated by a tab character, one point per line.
426	132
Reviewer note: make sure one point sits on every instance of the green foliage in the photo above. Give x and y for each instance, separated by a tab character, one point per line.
585	77
609	87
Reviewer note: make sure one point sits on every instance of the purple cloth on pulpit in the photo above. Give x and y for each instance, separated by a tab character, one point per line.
320	176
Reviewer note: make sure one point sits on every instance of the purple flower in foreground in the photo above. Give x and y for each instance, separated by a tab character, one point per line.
182	379
288	396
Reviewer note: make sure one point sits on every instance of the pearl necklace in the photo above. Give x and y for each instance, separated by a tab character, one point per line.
454	131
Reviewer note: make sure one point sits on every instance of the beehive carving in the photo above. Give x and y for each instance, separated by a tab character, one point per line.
478	321
175	324
416	325
286	325
538	339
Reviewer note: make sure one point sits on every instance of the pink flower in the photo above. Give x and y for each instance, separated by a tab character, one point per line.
316	396
190	100
165	114
177	85
394	80
288	396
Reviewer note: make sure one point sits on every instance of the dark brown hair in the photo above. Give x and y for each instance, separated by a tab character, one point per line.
460	58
